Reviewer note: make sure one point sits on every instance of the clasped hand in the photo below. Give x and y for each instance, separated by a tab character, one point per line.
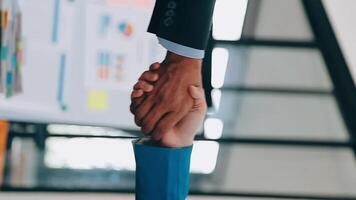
168	101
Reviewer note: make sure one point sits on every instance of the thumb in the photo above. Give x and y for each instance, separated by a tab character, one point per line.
189	125
198	94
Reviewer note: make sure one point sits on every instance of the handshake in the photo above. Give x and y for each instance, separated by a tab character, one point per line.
168	101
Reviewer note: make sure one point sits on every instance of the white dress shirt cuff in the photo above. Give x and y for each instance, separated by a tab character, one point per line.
181	49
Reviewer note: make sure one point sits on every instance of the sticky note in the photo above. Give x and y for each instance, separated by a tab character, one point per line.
98	100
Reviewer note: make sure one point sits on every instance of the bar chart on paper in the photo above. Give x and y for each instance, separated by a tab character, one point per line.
11	49
81	58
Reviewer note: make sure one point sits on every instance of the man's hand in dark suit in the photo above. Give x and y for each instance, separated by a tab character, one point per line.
182	134
169	101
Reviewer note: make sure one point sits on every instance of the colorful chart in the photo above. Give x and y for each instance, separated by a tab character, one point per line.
110	67
126	28
11	48
77	67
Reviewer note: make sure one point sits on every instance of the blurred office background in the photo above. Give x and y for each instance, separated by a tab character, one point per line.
280	77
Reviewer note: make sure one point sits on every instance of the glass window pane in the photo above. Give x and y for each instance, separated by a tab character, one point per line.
235	168
277	20
100	163
297	68
264	115
278	170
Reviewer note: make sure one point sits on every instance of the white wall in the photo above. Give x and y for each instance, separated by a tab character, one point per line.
342	15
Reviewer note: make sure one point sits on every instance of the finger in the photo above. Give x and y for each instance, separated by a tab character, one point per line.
143	85
143	109
151	119
149	76
138	101
135	103
155	66
132	108
136	93
166	124
198	94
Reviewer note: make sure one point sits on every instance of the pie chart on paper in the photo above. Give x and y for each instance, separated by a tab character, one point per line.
126	28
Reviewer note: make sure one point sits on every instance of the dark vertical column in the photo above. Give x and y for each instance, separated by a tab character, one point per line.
206	71
344	88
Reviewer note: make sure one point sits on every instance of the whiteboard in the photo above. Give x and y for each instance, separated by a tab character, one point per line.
81	59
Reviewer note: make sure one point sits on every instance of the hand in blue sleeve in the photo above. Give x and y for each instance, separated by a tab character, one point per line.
162	167
161	173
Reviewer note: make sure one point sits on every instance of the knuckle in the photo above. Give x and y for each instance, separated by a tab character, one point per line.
141	83
137	85
132	108
134	94
144	74
137	122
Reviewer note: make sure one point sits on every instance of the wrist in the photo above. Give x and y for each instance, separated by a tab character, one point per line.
176	145
176	58
176	142
182	69
167	143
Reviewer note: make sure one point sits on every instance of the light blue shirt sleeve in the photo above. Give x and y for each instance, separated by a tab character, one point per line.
162	173
181	49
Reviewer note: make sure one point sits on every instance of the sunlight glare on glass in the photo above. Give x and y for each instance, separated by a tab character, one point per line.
89	153
220	59
216	98
204	157
115	154
228	19
84	130
213	128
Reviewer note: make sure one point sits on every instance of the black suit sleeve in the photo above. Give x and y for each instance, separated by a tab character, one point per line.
186	22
